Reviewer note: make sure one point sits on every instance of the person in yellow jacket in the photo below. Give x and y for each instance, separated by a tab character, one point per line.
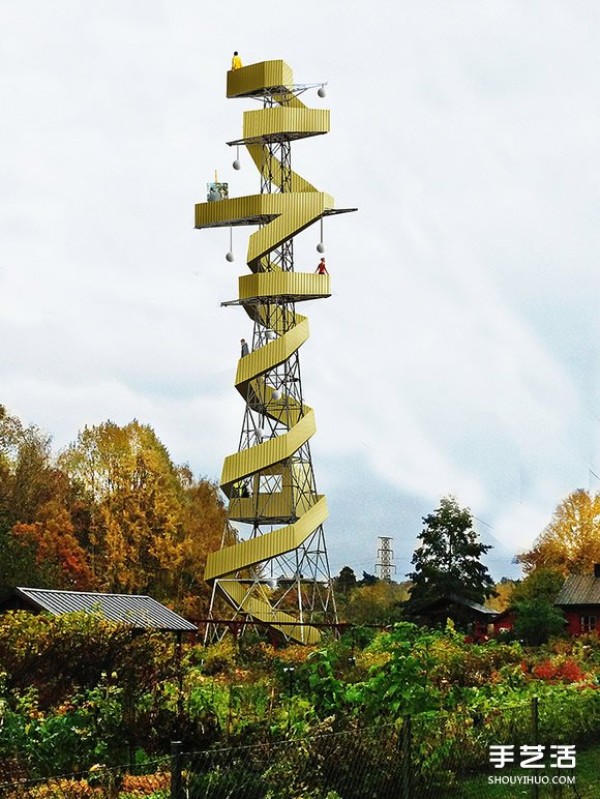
236	61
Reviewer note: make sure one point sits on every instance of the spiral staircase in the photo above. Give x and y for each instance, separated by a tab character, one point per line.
279	576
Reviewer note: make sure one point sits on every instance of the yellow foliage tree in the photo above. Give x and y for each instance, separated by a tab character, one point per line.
134	494
374	604
149	525
501	598
571	542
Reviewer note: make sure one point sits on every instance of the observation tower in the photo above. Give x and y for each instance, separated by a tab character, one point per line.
280	575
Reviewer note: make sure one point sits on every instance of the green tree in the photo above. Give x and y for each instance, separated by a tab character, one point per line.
345	581
536	620
543	583
448	561
368	579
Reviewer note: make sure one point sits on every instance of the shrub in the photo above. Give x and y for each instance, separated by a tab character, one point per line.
221	657
559	670
62	654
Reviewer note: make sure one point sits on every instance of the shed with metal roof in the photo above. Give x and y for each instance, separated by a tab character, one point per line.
139	611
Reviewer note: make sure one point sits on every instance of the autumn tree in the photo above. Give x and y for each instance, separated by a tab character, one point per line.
37	545
501	598
378	603
59	559
571	542
27	476
147	525
113	513
204	529
448	561
134	497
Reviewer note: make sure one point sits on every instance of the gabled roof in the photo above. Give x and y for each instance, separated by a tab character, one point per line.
579	589
140	611
457	600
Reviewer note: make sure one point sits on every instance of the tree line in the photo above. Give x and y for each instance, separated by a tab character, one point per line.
448	562
111	512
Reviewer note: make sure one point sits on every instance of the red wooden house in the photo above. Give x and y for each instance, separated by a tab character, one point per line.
504	621
579	600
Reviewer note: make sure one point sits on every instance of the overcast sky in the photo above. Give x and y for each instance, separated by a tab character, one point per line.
458	353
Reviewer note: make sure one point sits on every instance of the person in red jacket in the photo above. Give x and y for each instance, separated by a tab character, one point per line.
321	268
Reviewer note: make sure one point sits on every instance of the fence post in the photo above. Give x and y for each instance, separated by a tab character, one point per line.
176	784
535	731
405	760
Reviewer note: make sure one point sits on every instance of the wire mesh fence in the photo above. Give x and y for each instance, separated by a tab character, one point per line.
467	755
350	764
151	781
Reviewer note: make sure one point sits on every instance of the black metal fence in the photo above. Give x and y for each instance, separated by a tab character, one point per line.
429	756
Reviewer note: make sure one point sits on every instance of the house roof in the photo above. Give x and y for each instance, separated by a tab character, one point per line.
579	589
503	614
457	600
140	611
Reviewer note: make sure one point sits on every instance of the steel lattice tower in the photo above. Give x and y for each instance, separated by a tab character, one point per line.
385	555
280	575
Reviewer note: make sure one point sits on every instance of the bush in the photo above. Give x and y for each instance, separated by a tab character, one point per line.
62	654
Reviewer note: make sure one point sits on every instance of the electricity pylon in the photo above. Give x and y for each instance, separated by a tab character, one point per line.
280	575
385	555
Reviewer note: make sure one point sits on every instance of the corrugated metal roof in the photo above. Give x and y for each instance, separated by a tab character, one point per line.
141	612
579	589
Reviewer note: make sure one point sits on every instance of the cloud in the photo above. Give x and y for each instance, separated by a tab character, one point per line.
457	353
